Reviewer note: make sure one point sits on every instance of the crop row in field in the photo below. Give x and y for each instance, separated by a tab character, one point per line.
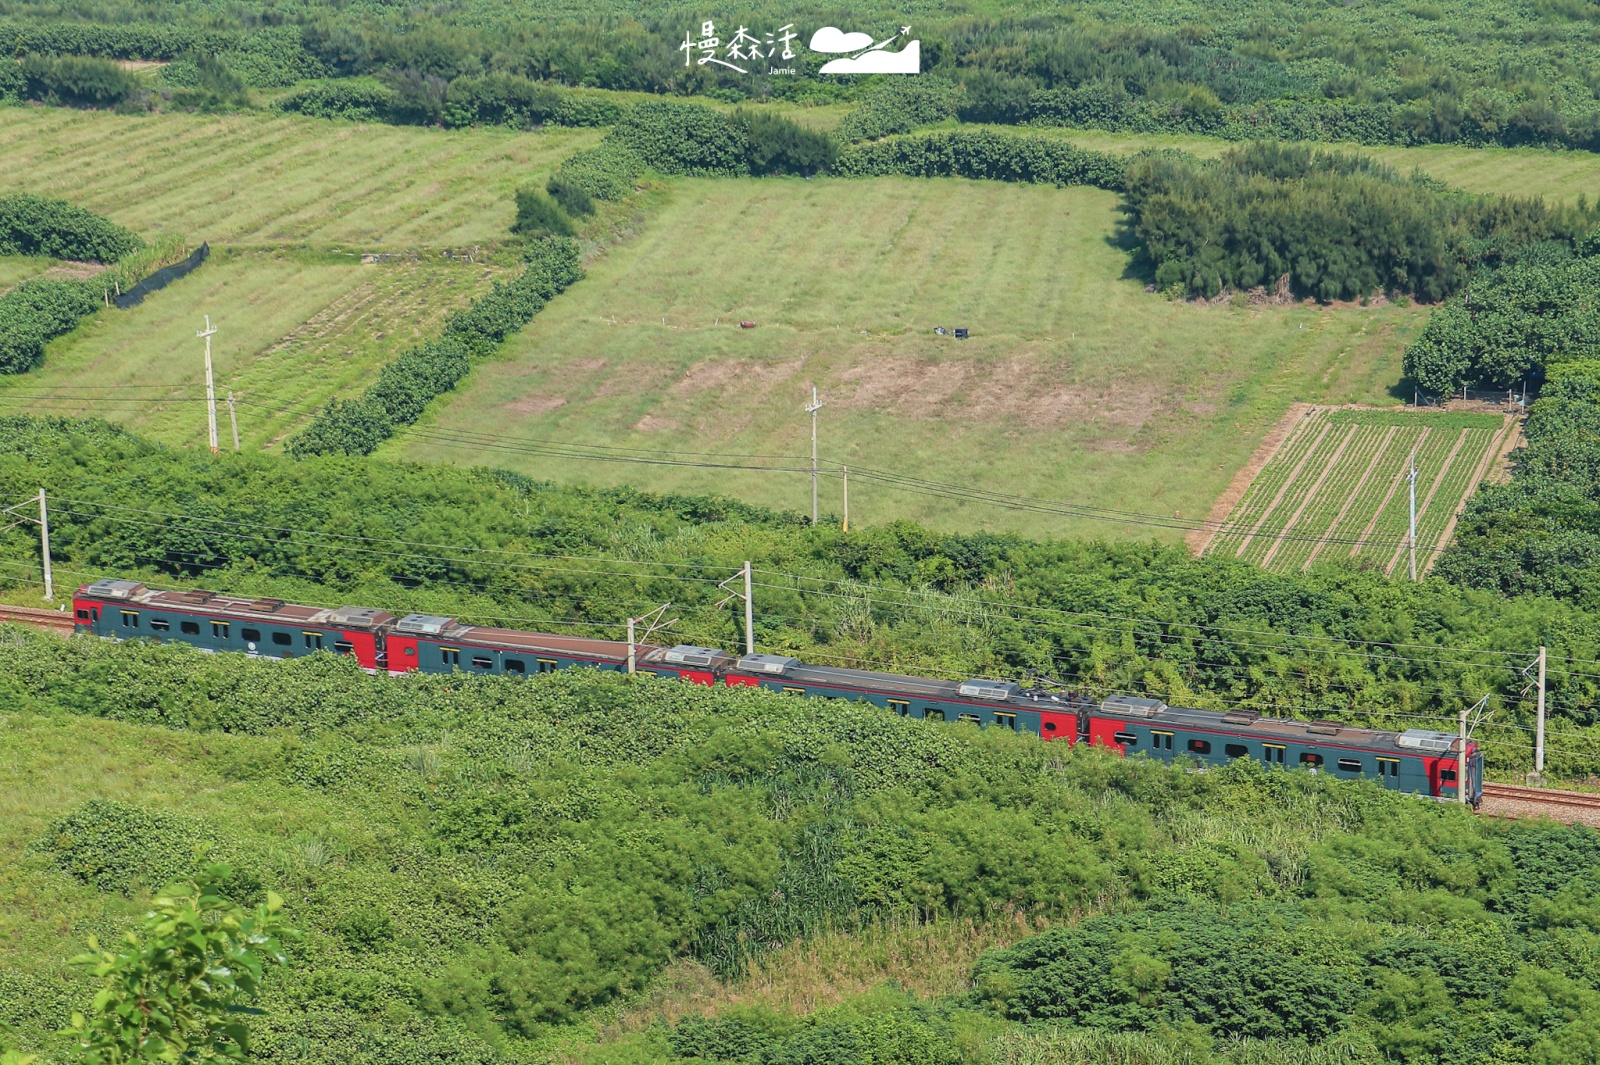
1338	488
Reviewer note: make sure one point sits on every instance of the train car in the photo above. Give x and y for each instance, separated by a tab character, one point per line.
1416	760
266	628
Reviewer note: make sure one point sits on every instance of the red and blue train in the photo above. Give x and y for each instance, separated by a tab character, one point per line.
1415	760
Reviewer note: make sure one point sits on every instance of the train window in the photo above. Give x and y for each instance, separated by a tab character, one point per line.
1127	739
516	665
412	651
313	640
450	655
189	628
900	706
930	714
1272	753
160	624
794	691
1447	776
219	629
83	615
1161	741
343	647
1236	750
282	639
251	635
1006	721
1199	746
548	665
971	719
1049	726
1350	765
480	662
130	619
1388	767
1310	758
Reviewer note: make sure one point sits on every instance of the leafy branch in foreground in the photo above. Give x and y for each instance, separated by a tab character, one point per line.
172	992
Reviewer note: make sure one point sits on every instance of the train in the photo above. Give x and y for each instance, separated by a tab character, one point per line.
1417	761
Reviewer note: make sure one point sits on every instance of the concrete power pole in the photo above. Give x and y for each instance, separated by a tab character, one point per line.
846	470
211	392
1538	734
1412	477
816	405
49	587
1461	761
631	623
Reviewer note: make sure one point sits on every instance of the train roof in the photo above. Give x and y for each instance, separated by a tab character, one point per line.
534	642
269	611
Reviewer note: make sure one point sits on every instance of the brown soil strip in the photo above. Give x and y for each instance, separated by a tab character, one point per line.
1301	509
1294	475
1199	540
1449	460
1316	548
1497	451
1399	476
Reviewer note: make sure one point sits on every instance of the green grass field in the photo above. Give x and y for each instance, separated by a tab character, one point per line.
258	179
1337	489
293	329
1077	385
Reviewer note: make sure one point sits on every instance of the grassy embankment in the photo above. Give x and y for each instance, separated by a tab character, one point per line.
288	206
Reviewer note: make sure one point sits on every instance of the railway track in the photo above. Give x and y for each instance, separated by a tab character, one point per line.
50	620
1542	796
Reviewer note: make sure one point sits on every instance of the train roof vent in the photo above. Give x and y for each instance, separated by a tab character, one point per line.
1132	706
775	664
989	689
424	624
1425	740
264	606
688	655
1326	728
1240	717
194	595
355	617
110	589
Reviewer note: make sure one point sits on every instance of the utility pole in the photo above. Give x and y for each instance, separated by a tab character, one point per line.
211	393
43	521
1412	477
816	405
631	623
654	618
1538	734
749	606
233	416
846	470
1461	762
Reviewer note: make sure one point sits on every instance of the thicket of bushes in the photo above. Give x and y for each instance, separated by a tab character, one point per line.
36	312
494	100
406	385
1340	226
1127	617
983	154
506	854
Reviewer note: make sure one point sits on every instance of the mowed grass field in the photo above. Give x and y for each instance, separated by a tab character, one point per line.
1076	385
259	179
1337	488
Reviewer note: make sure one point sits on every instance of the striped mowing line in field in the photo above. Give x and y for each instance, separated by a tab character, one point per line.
1304	446
1366	475
1497	447
1392	524
1265	484
1336	490
1394	483
1332	464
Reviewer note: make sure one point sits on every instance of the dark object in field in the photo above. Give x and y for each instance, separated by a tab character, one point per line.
162	278
747	325
940	330
961	332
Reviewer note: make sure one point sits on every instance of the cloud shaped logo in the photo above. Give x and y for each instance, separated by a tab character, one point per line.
833	39
906	61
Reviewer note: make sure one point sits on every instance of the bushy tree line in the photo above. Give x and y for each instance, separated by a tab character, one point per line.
493	100
1204	632
406	386
34	225
1339	226
36	312
984	154
508	854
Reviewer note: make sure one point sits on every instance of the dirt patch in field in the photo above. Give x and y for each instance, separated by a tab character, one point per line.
74	271
733	375
531	405
651	424
1200	539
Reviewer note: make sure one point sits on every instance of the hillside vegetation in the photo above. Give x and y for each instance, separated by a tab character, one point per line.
479	865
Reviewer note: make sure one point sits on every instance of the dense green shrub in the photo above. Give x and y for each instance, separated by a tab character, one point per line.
406	386
779	145
540	215
117	847
982	154
1337	226
900	106
77	81
683	138
358	101
33	225
608	171
36	312
571	197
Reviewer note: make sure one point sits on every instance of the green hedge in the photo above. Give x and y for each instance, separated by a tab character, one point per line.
36	312
983	154
608	171
406	386
33	225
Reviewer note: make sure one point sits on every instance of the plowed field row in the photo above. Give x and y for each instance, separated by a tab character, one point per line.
1337	489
